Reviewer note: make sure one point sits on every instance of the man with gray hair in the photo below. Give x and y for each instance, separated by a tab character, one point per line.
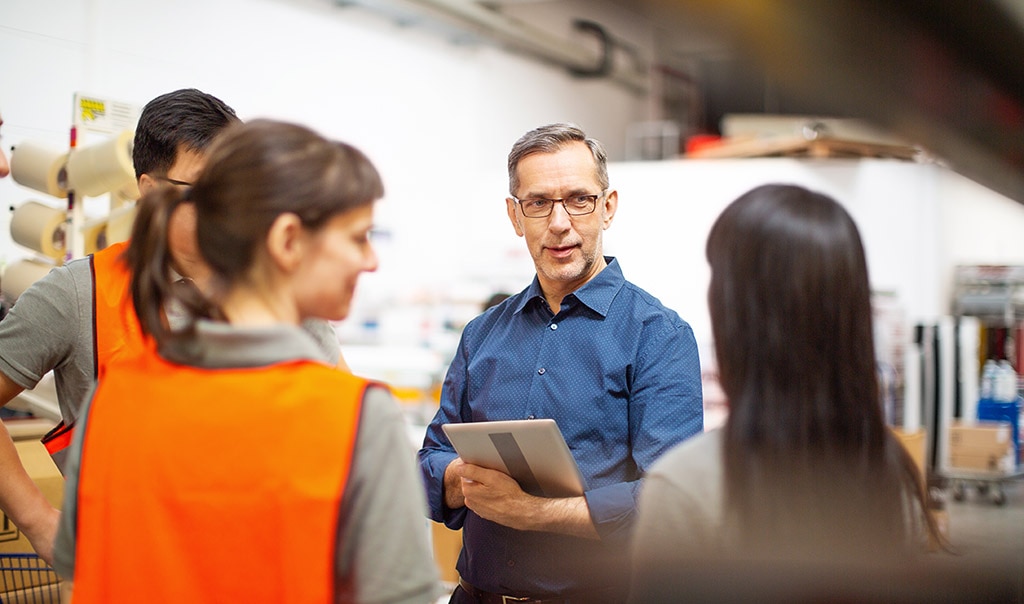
617	370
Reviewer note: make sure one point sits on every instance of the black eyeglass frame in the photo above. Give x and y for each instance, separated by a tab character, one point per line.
562	200
174	181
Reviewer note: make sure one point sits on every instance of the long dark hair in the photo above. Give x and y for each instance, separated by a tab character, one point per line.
255	172
809	460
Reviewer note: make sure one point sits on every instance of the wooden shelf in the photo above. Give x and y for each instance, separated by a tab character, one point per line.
796	146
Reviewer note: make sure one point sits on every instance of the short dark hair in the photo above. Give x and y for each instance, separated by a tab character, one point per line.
186	117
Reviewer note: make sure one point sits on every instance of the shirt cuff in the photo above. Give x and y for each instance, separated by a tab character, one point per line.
613	509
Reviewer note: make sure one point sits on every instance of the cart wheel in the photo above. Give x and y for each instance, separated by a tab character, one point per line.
998	496
982	488
958	490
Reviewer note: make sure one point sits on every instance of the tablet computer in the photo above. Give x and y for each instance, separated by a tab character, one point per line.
530	450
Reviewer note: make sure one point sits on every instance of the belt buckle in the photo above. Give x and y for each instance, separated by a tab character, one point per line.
507	599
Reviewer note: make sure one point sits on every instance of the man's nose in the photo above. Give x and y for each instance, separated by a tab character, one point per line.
559	216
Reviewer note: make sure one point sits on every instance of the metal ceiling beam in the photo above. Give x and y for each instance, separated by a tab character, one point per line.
484	24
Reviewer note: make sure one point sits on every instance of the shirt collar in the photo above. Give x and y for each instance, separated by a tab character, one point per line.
221	345
596	294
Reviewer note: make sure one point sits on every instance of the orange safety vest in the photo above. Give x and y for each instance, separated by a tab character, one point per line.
224	485
116	331
116	328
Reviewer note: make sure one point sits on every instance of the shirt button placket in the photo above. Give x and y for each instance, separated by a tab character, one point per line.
540	371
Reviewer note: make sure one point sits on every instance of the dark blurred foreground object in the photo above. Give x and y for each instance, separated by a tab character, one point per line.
944	578
944	74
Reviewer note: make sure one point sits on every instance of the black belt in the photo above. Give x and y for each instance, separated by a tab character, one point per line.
486	597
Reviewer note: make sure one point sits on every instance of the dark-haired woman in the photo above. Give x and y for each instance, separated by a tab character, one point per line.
804	474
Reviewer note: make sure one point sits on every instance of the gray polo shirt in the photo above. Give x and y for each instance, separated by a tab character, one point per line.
50	327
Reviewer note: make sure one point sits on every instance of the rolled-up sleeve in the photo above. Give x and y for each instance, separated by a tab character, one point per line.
665	408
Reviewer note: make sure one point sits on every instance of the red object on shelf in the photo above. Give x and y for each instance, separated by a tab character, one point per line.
702	141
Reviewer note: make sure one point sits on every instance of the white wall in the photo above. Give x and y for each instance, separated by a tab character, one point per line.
438	118
432	114
917	221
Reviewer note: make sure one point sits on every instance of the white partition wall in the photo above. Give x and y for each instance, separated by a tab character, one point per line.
666	210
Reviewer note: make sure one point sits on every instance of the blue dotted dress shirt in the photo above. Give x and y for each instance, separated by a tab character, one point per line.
619	373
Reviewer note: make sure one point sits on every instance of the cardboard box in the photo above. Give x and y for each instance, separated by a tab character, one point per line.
26	578
984	446
28	428
985	463
447	545
983	438
41	469
914	443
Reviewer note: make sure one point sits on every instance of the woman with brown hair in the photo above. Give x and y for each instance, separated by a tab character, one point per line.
229	462
804	471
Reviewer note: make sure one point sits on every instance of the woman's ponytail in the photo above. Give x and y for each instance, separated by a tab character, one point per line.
149	258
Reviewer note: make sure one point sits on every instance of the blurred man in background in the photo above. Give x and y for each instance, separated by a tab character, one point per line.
78	317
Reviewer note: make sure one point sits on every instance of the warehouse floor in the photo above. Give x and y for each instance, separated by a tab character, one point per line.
981	531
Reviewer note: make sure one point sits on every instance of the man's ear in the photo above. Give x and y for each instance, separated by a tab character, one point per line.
146	184
611	205
286	241
513	216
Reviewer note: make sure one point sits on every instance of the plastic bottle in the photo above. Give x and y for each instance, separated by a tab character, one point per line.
988	380
1006	383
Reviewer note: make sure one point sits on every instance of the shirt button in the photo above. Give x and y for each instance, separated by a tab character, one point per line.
541	371
511	563
554	326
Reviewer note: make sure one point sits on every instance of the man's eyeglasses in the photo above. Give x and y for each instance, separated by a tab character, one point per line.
173	181
576	205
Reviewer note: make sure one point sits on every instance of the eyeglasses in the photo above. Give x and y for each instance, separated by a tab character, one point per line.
180	183
575	205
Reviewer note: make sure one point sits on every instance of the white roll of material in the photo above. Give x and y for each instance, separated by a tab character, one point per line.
970	369
40	168
94	237
40	228
129	193
102	168
18	276
119	224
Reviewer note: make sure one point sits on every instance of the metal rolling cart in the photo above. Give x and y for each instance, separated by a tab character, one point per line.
26	579
995	295
985	483
1005	418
